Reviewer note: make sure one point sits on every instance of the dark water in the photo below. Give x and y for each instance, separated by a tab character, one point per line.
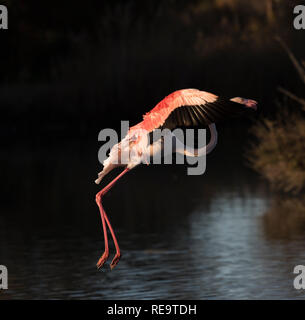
214	236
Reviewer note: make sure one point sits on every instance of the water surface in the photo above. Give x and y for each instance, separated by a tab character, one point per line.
204	237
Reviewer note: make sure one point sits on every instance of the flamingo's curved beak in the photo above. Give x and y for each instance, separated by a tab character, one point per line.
250	104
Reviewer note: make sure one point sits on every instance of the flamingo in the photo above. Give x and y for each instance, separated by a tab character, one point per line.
187	107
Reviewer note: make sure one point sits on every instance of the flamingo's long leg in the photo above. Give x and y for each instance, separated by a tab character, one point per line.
118	255
104	217
105	255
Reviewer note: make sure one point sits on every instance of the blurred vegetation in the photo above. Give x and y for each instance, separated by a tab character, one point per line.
85	66
279	151
285	219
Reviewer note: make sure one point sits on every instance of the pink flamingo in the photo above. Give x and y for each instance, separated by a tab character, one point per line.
188	107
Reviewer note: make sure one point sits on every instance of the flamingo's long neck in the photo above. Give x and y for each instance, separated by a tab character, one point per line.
191	152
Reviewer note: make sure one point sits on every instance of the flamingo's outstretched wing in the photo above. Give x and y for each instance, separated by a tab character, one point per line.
192	107
205	113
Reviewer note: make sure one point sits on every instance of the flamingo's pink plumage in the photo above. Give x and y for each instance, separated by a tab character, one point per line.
186	97
202	108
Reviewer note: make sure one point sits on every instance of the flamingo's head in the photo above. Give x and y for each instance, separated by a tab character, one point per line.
249	103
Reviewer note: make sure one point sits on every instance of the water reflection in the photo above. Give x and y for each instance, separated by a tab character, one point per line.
285	219
181	237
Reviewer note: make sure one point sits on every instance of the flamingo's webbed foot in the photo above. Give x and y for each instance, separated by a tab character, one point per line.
115	260
102	260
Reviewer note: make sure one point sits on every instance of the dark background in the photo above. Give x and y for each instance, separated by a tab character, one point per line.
70	69
87	66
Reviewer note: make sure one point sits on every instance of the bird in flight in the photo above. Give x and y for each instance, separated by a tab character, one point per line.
182	108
